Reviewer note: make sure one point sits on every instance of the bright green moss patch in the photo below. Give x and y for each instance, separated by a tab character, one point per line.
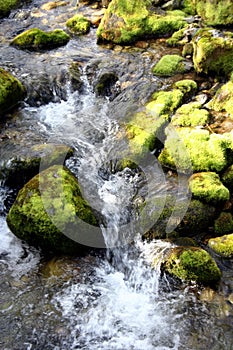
48	205
192	264
169	65
126	21
206	152
11	91
36	39
223	224
213	52
222	101
215	12
222	245
6	6
78	24
191	114
207	187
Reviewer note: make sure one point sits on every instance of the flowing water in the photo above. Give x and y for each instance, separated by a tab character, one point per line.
110	299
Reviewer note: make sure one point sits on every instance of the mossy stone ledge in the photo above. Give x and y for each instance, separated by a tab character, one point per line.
36	39
213	52
223	245
11	91
48	206
192	264
215	12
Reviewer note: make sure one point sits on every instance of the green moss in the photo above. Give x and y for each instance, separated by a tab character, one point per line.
78	24
192	264
227	178
176	37
207	187
188	6
6	6
11	91
215	12
213	52
36	39
222	245
48	205
222	101
165	102
206	152
187	86
224	223
169	65
191	114
126	21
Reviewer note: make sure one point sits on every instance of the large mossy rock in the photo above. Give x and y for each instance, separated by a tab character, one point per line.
207	187
192	264
215	12
222	245
222	100
206	152
37	39
6	6
48	206
213	52
126	21
11	91
191	114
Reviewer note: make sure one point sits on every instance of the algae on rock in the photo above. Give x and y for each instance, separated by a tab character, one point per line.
192	264
222	245
48	210
11	91
37	39
169	65
78	24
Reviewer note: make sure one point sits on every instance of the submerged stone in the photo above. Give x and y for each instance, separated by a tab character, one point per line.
37	39
78	24
126	21
207	187
192	264
48	210
213	52
11	91
222	245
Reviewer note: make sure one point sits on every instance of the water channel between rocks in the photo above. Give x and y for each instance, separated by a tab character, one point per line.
106	300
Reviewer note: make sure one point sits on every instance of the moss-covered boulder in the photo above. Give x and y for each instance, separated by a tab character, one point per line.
78	24
126	21
11	91
213	52
192	264
169	65
6	6
224	223
222	100
37	39
206	152
48	209
215	12
207	187
23	166
191	114
222	245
